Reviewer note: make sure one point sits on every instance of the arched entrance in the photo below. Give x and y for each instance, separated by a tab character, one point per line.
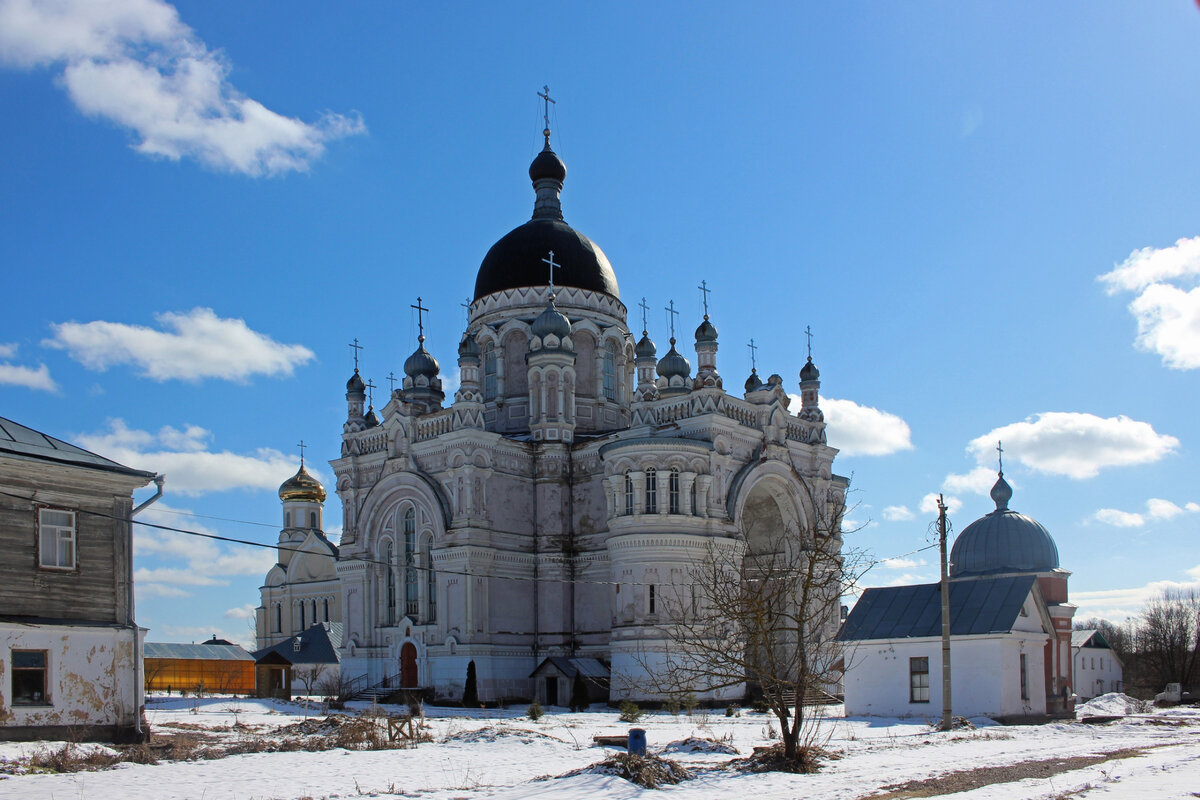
408	666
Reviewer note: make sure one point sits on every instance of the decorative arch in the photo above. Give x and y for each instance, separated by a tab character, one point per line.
394	488
780	482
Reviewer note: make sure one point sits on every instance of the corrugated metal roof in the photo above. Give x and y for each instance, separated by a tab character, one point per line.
24	442
983	605
197	652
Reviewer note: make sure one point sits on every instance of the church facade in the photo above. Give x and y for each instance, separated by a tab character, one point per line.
550	505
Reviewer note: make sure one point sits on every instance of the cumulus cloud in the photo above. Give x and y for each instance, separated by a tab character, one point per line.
897	513
859	430
1156	509
1167	302
978	481
193	346
1074	444
30	378
1116	605
929	504
903	563
181	561
183	455
241	612
136	64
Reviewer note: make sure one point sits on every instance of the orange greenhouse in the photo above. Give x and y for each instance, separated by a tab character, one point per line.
215	667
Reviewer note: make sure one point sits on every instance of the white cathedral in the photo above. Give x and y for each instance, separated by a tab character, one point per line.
574	479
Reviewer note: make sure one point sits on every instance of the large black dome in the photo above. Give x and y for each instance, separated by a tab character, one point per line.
516	260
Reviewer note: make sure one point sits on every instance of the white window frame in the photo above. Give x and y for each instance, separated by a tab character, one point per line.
60	535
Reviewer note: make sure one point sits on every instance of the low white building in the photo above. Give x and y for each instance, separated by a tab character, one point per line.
999	630
1098	669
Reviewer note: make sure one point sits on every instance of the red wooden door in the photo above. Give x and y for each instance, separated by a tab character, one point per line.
408	666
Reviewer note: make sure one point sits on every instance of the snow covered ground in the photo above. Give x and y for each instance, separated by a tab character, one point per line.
501	754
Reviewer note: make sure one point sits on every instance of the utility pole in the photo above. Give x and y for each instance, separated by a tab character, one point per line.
947	713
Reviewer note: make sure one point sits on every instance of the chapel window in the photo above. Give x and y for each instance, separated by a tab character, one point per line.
278	618
1024	678
673	491
610	371
389	558
410	565
489	371
325	602
287	519
29	677
56	532
430	582
652	599
314	610
651	491
918	679
301	615
312	519
628	495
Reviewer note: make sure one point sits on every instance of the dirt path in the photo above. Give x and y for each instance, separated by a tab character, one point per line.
967	779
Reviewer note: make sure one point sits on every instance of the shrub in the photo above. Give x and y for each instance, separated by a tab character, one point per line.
672	705
690	703
535	711
760	706
731	710
630	712
471	690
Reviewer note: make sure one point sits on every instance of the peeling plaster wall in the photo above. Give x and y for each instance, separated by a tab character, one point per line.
92	677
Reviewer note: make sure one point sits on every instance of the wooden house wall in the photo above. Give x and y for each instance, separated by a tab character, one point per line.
209	675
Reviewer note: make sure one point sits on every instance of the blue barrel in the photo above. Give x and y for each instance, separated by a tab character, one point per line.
637	741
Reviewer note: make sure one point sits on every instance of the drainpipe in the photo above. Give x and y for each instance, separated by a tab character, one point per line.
137	662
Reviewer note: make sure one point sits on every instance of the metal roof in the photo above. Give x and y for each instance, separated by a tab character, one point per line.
318	645
977	606
24	442
1089	638
568	667
197	652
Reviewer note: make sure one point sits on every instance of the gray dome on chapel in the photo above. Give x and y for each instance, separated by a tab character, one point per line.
674	364
421	362
645	348
707	332
1003	541
809	371
355	386
551	321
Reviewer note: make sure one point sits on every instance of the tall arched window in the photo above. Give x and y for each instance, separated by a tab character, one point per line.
430	582
651	491
673	492
301	616
326	603
278	617
314	610
389	558
410	566
287	519
628	495
312	519
610	371
489	371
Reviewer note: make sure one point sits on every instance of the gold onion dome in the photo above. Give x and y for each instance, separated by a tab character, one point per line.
302	486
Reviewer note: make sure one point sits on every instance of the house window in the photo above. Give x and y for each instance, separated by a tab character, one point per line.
410	567
652	598
28	677
56	531
1024	678
628	495
610	371
673	492
918	680
489	371
651	491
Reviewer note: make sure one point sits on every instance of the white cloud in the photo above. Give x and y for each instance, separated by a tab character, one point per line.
1156	509
1118	518
135	63
929	504
1074	444
241	612
1167	305
897	513
862	430
195	345
160	590
978	481
183	456
8	349
30	378
903	563
1116	605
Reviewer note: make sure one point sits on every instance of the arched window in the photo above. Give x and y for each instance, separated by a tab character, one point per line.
301	615
489	371
651	491
430	582
278	617
628	495
312	519
389	558
314	610
326	603
287	519
610	371
410	566
673	492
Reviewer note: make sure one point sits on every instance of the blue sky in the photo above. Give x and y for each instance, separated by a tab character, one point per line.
202	204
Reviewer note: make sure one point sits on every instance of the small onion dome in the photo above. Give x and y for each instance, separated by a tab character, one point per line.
707	332
1003	541
809	371
551	321
645	348
547	164
674	364
753	383
355	386
370	420
302	486
468	348
421	362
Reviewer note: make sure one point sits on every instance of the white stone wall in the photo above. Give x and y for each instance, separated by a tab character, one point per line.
93	676
985	676
1097	672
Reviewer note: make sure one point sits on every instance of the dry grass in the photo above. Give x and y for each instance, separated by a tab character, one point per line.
648	771
772	759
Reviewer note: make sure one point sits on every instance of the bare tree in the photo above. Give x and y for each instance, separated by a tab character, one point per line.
763	612
152	668
1169	637
310	675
